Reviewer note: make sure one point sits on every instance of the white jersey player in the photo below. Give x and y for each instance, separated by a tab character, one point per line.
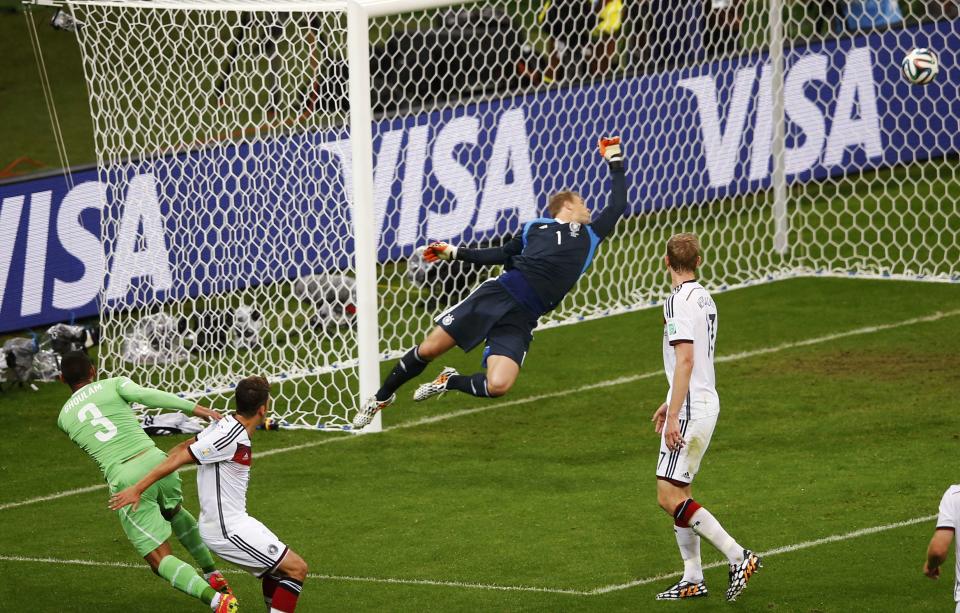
224	453
686	421
948	520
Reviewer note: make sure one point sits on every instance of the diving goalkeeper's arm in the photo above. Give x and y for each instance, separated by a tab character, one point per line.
603	226
490	256
612	213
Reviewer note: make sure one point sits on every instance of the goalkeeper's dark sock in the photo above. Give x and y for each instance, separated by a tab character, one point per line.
475	384
185	527
409	366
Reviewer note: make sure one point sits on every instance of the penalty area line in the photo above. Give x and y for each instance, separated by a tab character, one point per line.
733	357
509	588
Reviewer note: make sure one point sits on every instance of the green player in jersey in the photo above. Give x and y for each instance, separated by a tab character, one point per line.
98	418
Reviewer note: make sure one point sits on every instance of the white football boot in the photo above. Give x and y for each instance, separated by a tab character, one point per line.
436	387
365	413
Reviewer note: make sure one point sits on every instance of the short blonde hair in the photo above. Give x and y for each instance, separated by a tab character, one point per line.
684	253
559	199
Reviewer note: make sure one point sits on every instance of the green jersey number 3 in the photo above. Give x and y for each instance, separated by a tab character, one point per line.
91	410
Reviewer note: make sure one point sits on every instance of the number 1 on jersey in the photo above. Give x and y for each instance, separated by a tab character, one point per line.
558	237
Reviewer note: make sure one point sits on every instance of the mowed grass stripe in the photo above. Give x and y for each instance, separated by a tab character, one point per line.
939	315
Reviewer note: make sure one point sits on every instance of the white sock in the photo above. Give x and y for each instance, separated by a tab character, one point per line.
215	602
706	525
689	544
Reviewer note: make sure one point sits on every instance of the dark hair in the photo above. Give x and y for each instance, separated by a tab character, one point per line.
252	393
75	367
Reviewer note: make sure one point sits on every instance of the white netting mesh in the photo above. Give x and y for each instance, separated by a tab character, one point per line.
235	117
228	248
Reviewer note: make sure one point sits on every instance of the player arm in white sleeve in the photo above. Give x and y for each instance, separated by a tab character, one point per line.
680	337
939	545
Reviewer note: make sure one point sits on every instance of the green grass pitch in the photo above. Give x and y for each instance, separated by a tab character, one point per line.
838	415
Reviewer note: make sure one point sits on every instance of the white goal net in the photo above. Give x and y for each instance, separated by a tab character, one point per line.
783	134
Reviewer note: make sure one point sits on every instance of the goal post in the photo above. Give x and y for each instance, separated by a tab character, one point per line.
361	142
271	170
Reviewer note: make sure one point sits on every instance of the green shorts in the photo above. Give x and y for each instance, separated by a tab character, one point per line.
146	528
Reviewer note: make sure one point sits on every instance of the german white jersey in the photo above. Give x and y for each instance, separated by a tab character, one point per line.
224	453
949	517
690	316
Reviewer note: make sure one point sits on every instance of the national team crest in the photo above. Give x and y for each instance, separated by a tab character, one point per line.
574	229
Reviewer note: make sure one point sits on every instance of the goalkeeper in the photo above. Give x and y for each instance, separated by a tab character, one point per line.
542	264
98	418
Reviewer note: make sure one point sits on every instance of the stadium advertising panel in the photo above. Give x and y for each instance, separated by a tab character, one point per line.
466	173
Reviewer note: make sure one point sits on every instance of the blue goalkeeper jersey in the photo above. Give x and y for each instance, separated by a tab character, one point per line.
547	258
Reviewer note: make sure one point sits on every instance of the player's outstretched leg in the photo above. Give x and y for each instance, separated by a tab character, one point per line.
188	533
183	577
370	408
438	386
408	367
501	374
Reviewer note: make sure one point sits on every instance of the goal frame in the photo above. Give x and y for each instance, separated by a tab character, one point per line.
359	14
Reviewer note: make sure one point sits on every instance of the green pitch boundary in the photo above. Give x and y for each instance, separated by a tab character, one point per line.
606	589
936	316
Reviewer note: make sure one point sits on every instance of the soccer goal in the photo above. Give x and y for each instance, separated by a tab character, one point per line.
270	168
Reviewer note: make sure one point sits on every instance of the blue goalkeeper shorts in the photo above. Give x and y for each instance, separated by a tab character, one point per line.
490	314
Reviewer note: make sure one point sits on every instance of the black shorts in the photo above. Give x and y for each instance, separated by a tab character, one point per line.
490	314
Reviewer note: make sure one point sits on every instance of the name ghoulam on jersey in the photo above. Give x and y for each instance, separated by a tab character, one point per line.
690	316
98	418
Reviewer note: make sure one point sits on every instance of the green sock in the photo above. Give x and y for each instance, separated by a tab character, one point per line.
185	527
185	578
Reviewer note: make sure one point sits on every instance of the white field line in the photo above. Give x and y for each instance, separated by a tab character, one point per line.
836	538
528	399
389	580
509	588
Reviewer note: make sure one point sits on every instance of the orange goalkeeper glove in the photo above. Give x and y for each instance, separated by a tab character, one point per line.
610	150
439	251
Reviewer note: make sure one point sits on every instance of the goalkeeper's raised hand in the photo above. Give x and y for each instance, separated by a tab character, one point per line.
439	251
609	147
